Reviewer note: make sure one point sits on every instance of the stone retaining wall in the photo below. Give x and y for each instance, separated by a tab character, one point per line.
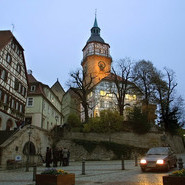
142	141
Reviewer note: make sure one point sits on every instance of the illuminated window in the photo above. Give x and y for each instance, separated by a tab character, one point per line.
110	95
130	97
102	93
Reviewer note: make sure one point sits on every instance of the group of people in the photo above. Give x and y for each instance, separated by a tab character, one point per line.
54	155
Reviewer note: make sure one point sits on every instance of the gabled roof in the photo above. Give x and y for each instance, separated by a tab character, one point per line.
58	86
5	38
31	78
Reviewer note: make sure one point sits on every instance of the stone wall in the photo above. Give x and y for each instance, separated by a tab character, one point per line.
14	145
142	141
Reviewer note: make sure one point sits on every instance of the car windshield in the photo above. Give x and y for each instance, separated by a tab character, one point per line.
158	151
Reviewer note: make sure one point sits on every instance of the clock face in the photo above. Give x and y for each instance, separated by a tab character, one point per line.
101	65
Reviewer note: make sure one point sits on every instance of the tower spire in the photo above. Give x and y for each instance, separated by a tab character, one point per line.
95	20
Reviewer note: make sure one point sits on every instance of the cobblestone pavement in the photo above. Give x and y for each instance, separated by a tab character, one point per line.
96	172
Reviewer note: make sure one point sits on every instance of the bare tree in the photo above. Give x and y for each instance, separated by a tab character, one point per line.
143	72
165	96
121	78
81	84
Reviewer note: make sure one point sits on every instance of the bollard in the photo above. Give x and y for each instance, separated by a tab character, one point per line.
136	164
83	166
122	163
180	163
34	172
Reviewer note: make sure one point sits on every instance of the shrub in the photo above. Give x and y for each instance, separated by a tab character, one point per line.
139	121
73	120
109	121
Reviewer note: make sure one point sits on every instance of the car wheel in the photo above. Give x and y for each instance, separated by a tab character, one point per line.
143	169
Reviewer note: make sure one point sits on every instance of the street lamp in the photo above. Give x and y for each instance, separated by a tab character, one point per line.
28	151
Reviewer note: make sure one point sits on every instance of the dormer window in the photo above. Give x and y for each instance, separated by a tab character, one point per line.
8	58
32	88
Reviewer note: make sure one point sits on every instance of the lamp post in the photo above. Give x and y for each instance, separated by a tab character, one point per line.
28	152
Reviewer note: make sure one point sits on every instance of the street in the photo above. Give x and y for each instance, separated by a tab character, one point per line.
96	172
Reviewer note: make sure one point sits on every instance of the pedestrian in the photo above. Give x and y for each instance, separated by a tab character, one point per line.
68	155
61	156
48	157
55	157
65	156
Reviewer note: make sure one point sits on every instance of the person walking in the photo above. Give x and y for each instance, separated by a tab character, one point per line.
65	156
48	157
61	156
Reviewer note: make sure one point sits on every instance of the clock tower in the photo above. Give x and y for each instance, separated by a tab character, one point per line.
96	56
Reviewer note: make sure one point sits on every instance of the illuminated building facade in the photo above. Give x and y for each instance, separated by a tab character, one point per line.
97	63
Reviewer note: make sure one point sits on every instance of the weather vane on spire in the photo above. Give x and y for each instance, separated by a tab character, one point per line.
95	12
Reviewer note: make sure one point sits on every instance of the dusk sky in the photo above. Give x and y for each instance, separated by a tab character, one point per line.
53	33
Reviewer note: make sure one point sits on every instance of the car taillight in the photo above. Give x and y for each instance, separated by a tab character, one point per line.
143	161
160	161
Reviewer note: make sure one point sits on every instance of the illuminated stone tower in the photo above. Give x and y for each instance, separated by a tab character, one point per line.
96	56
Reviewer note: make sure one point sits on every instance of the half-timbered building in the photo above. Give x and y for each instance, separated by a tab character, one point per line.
13	82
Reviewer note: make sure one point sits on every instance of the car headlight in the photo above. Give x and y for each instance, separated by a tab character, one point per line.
143	161
160	161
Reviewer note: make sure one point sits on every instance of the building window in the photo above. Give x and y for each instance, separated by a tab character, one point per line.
101	104
18	68
3	74
8	58
9	124
32	88
16	86
20	108
19	89
110	104
30	102
102	93
13	46
23	91
13	104
5	98
1	95
17	106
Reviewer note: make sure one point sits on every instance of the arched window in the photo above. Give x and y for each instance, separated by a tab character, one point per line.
8	58
29	148
9	124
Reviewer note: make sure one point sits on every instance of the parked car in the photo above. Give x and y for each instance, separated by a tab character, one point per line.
159	158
